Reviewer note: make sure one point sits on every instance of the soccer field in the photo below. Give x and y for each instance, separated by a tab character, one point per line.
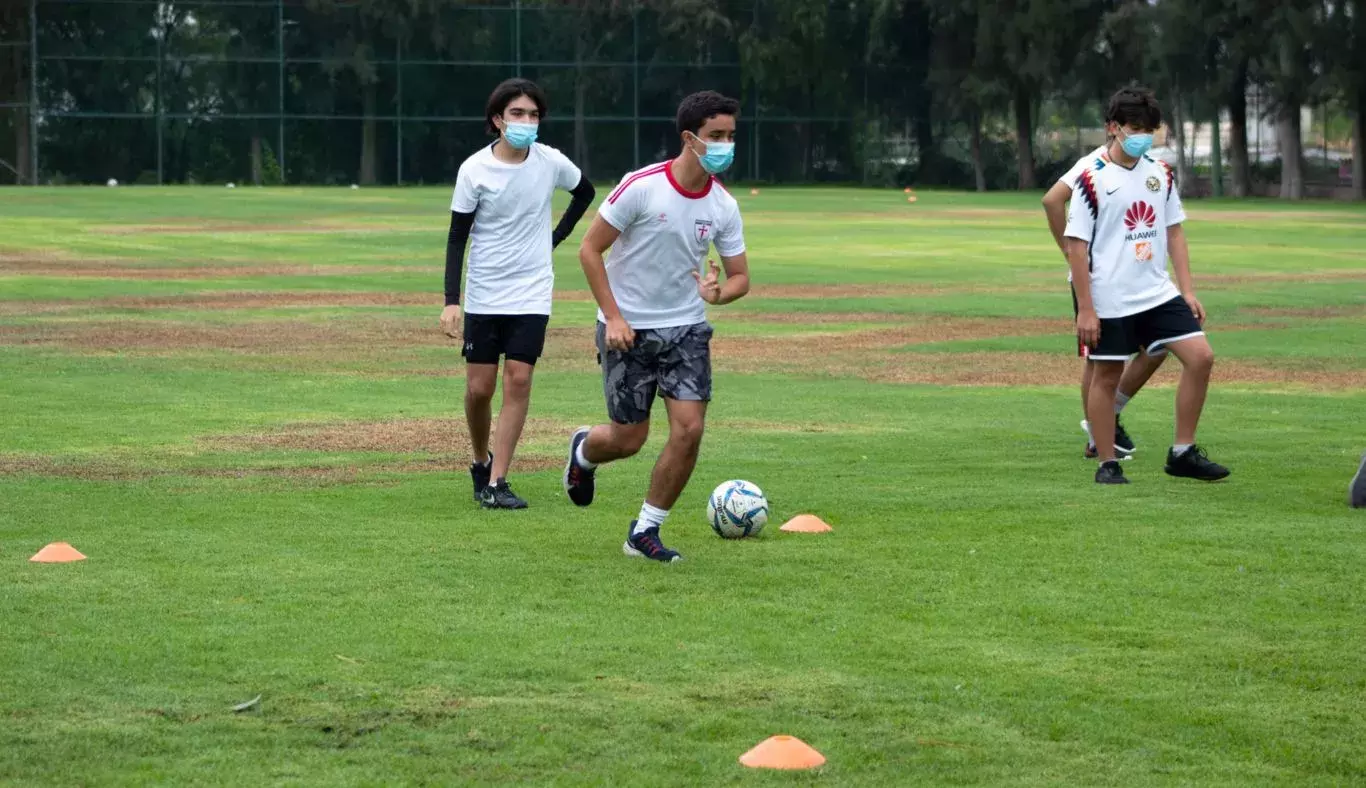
239	406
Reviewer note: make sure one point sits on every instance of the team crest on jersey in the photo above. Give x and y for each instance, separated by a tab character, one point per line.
1143	251
1153	184
702	231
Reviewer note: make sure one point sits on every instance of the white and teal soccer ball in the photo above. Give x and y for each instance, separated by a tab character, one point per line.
737	509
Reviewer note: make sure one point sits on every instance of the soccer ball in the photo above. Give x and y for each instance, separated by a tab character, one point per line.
737	509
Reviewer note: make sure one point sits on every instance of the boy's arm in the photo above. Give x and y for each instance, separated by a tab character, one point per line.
734	288
1079	260
456	239
581	196
1181	264
599	239
1055	208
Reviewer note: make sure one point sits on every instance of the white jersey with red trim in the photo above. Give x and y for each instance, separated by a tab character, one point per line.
1124	213
665	233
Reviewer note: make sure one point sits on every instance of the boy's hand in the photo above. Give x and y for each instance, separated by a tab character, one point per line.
1196	306
450	321
709	287
1088	327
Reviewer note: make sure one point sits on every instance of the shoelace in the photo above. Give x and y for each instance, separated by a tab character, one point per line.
651	544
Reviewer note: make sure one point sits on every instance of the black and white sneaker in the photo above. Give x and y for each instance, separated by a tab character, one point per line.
1110	473
479	474
578	481
1194	464
1356	491
1123	443
1124	447
499	495
646	544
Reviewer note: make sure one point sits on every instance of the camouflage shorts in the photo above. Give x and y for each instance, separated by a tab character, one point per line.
675	362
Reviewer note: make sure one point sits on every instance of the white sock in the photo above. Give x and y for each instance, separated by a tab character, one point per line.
488	462
1121	399
1179	449
1086	425
650	517
582	461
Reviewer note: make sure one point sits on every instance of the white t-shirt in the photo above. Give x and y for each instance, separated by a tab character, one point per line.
508	271
1069	178
665	233
1124	215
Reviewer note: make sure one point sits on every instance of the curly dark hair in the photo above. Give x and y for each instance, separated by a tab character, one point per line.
695	110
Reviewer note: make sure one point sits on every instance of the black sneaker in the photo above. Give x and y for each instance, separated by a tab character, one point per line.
646	544
1356	491
1124	447
479	474
1123	443
1110	472
500	496
1193	464
578	481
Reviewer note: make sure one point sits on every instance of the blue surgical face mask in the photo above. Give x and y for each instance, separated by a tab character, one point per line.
1137	144
718	157
520	135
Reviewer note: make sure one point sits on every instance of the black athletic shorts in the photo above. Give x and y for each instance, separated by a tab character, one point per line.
518	337
1085	352
1149	332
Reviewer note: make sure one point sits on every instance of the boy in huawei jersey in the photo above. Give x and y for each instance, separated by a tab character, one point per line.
1124	221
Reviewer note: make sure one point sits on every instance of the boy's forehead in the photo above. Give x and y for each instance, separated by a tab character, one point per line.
717	123
522	102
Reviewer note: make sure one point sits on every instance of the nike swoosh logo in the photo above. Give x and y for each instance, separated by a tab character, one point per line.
1112	191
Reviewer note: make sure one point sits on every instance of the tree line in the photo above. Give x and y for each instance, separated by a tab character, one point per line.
950	92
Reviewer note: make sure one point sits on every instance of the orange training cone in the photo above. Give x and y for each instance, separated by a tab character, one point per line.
58	553
782	752
754	192
806	524
906	190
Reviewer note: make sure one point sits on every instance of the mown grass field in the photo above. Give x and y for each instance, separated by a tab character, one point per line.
239	406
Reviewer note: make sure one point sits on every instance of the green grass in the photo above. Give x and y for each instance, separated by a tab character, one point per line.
982	613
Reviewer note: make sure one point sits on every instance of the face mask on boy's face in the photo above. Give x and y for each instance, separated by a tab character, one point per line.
520	135
718	155
1135	143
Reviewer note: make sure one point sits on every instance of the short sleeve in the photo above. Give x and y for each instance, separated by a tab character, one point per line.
466	197
1069	178
730	237
1176	212
624	205
567	174
1082	211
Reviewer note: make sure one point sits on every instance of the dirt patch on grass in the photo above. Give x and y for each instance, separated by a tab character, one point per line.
247	299
95	470
1309	313
540	448
191	273
1299	277
1263	216
201	228
919	331
1050	369
283	337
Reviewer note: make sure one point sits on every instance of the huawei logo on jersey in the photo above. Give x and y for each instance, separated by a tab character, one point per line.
1140	213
